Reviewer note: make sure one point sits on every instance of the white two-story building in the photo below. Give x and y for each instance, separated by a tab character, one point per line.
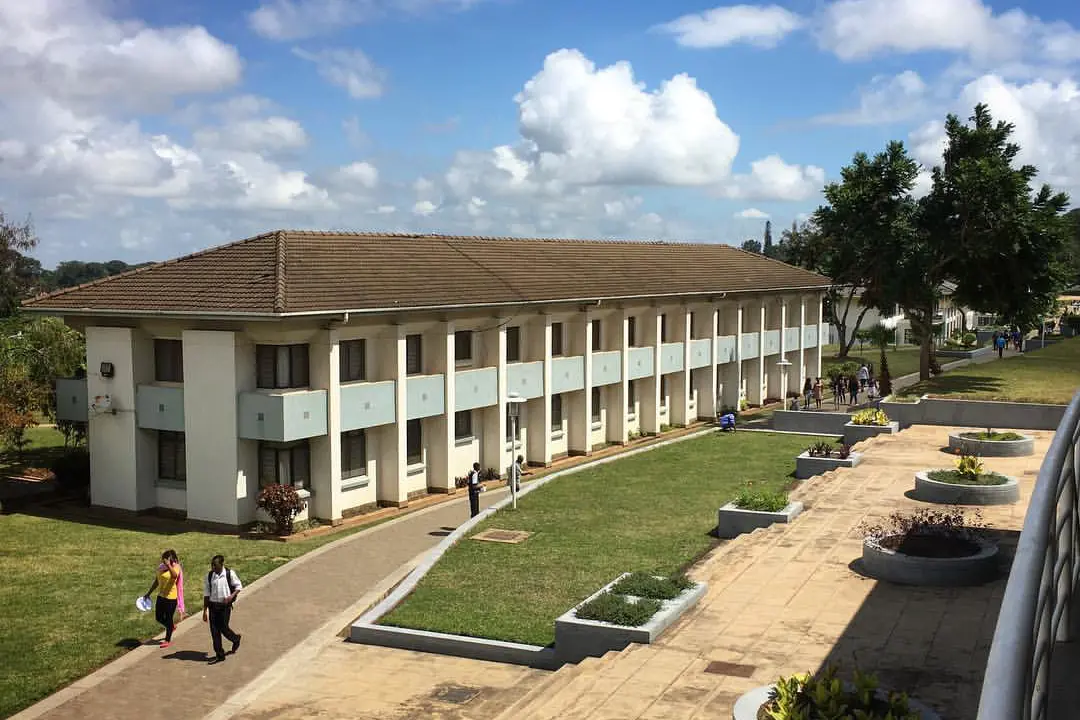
367	370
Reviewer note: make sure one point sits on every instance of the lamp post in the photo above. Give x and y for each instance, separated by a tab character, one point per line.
513	408
784	364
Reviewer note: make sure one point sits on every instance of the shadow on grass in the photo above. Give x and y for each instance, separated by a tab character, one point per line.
14	463
69	509
929	642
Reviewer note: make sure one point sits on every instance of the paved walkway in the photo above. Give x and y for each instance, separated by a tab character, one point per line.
780	601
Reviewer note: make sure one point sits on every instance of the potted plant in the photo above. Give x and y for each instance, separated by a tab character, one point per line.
754	508
988	443
969	483
823	456
801	697
931	547
868	423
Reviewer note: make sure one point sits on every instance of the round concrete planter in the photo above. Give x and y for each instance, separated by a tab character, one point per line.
747	706
885	564
935	491
993	448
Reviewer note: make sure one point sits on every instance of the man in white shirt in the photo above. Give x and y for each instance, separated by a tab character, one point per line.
220	589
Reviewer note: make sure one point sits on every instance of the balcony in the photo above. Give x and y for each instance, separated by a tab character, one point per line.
567	374
282	416
367	404
478	388
725	349
671	358
159	407
606	368
791	339
425	396
810	336
772	342
72	403
525	378
642	362
749	343
700	353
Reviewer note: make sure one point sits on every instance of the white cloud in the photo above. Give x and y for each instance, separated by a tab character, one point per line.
771	178
752	214
424	207
762	26
887	99
365	175
296	19
270	134
349	69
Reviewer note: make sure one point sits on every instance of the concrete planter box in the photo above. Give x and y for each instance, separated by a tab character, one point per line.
747	706
965	354
935	491
993	448
810	421
577	639
975	414
857	433
807	467
732	521
889	565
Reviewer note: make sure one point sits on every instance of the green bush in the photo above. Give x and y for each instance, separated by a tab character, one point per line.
644	585
806	697
992	436
618	610
958	477
762	500
870	416
969	340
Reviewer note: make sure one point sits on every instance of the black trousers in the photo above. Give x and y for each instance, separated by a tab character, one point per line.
219	625
164	611
474	500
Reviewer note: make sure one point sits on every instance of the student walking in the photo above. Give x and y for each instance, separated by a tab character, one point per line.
219	595
863	375
818	392
1001	346
853	388
169	581
840	390
475	488
807	389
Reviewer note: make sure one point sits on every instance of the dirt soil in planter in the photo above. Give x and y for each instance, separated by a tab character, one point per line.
931	546
991	437
953	477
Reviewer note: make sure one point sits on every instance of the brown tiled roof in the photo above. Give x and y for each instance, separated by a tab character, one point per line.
300	272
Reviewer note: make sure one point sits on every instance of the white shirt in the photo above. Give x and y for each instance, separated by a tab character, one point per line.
216	585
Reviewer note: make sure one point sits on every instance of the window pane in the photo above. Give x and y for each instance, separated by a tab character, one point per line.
298	359
596	404
265	361
663	328
281	366
353	454
414	442
663	391
597	335
181	457
630	396
513	344
463	424
168	360
556	412
691	325
166	456
301	465
631	331
413	357
267	465
351	356
557	338
463	342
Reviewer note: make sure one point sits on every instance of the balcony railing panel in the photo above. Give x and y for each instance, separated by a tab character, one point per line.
367	404
160	407
478	388
642	362
671	358
425	396
567	374
606	368
525	378
700	353
282	416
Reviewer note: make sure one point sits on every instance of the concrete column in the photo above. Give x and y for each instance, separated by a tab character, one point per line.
706	378
618	394
326	501
679	383
493	453
215	483
756	374
820	339
123	464
579	407
732	372
390	488
538	411
802	342
440	473
649	387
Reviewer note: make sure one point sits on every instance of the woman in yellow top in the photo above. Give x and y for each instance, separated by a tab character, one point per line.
169	581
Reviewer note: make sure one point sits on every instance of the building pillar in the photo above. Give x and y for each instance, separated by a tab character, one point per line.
440	473
732	390
802	342
706	378
326	500
756	381
390	489
579	407
680	380
649	387
493	452
618	417
820	339
538	410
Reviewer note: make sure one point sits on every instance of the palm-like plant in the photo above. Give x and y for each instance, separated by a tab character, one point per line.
881	337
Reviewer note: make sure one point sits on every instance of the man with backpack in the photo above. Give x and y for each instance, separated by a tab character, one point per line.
219	595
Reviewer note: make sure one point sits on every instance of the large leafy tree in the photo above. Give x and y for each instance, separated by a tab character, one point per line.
870	208
752	245
19	274
982	228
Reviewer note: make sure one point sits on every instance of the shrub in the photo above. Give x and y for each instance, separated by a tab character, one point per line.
763	500
490	475
645	585
618	610
72	471
955	477
870	416
282	503
843	450
992	436
969	340
664	427
969	467
930	532
820	449
801	697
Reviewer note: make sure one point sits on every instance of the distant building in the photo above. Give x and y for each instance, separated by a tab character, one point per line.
953	317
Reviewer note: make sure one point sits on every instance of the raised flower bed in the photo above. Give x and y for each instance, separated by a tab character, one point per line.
988	443
869	423
808	695
822	457
939	548
967	484
752	509
633	608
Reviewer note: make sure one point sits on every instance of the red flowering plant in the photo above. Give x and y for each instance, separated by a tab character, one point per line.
282	503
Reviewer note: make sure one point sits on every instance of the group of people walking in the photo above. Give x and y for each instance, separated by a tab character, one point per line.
220	589
845	389
1003	339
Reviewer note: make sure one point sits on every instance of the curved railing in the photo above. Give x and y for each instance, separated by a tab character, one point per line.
1045	573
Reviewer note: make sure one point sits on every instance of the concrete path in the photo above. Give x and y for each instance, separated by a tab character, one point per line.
780	601
273	617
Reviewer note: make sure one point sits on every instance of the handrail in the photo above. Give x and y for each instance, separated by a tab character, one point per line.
1045	570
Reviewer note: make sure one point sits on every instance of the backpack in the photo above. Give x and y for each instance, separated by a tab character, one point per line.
228	579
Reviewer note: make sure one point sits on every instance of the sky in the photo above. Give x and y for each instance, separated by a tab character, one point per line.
142	130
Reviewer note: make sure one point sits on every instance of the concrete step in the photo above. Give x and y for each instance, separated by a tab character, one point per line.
559	699
589	691
554	679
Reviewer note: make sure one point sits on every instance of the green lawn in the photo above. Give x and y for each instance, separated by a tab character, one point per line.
68	594
45	444
902	361
1043	376
653	512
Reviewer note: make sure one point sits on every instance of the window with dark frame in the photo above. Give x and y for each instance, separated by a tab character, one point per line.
168	360
596	404
631	396
513	344
281	366
556	339
172	456
463	425
463	346
285	465
631	331
414	354
351	355
597	335
663	327
414	442
556	413
691	324
663	391
353	454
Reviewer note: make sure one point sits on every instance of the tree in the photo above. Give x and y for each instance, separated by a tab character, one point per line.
881	337
18	274
752	245
982	229
1073	254
767	246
